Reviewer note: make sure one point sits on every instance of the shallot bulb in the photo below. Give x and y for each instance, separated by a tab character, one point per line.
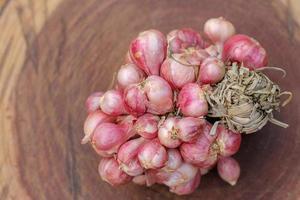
92	121
159	95
197	152
127	157
127	122
152	155
148	51
218	30
110	172
147	126
135	100
112	103
212	71
180	40
229	170
245	50
188	187
177	74
129	74
93	102
181	175
108	137
189	128
192	101
229	142
174	160
168	133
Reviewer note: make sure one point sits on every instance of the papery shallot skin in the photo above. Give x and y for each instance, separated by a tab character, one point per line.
111	173
168	133
129	74
228	141
159	95
92	121
177	74
196	152
246	51
127	157
189	128
148	51
192	101
187	188
92	103
218	30
174	160
179	40
147	126
108	137
112	103
152	155
181	175
229	170
135	100
212	71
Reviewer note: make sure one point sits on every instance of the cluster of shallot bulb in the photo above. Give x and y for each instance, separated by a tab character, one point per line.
151	128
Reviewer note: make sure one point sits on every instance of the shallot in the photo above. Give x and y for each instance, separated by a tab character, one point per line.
110	172
228	141
191	101
168	133
112	103
127	157
245	50
212	70
229	170
93	102
92	121
152	155
129	74
148	51
147	126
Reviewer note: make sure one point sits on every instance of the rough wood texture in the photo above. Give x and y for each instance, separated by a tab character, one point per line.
53	53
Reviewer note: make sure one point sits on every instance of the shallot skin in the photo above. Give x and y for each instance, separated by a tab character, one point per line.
135	100
108	137
148	51
129	74
168	133
212	70
218	29
112	103
159	95
177	74
187	188
147	126
179	40
189	128
110	172
228	141
245	50
174	160
192	101
93	102
229	170
152	155
127	157
92	121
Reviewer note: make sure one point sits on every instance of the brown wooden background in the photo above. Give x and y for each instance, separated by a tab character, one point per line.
53	53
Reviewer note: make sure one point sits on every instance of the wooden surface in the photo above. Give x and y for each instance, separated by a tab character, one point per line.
53	53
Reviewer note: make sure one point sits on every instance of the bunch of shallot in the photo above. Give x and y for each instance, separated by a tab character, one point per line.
153	126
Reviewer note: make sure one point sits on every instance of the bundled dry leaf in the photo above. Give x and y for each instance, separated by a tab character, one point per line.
245	100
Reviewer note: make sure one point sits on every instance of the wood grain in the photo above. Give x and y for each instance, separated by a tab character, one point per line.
53	53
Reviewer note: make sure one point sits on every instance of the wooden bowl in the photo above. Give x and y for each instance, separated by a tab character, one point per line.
61	51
